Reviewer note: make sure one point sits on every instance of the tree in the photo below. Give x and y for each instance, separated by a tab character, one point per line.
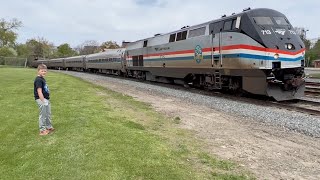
109	45
7	34
64	50
23	50
7	52
88	47
302	32
313	53
40	48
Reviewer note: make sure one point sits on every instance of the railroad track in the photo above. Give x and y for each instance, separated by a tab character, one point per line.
301	105
312	89
304	106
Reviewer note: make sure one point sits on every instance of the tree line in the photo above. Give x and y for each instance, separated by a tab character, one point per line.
312	49
40	48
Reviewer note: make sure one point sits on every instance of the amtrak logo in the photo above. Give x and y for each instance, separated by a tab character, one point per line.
198	54
280	31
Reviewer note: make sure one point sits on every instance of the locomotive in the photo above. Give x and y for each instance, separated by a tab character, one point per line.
255	51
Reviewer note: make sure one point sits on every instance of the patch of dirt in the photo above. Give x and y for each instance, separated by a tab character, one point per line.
267	151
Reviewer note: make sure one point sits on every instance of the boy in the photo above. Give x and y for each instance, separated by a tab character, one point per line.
41	95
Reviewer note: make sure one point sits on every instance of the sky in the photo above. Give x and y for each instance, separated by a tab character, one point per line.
76	21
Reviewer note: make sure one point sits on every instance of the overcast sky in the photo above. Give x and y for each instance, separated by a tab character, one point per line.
75	21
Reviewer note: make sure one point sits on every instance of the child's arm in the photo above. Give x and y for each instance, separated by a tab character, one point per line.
41	97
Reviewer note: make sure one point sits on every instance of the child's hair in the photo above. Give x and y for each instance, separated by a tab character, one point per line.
42	66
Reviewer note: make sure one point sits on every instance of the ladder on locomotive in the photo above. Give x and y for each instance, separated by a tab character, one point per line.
217	80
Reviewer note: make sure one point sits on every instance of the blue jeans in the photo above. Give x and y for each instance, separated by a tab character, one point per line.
44	114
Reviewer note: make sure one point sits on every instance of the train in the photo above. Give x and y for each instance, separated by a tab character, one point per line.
255	51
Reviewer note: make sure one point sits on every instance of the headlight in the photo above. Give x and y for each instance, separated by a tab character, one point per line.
276	56
289	46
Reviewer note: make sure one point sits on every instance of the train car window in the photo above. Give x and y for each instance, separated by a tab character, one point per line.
197	32
140	60
179	36
135	60
145	43
172	37
227	25
184	35
234	22
262	20
281	20
216	27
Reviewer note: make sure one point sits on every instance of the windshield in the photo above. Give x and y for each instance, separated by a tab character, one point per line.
281	20
268	21
263	20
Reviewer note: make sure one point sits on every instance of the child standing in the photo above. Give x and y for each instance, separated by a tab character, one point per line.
42	96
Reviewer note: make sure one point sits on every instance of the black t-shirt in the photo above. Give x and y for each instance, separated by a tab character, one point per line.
40	82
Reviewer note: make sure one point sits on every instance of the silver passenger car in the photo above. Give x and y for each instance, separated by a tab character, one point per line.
110	61
58	63
76	63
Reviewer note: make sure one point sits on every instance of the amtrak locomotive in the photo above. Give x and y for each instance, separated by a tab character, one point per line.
256	51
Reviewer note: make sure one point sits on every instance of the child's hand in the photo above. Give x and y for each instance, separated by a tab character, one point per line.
45	102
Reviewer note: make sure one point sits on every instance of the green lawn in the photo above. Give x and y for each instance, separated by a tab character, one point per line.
99	134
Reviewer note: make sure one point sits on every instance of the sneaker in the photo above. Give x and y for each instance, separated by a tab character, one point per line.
50	129
44	132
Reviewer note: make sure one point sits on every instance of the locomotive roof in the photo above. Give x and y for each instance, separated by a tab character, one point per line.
75	57
107	53
56	59
251	12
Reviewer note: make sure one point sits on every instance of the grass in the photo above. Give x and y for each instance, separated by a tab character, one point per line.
99	134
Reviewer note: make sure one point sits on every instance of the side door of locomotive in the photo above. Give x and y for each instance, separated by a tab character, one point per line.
215	30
